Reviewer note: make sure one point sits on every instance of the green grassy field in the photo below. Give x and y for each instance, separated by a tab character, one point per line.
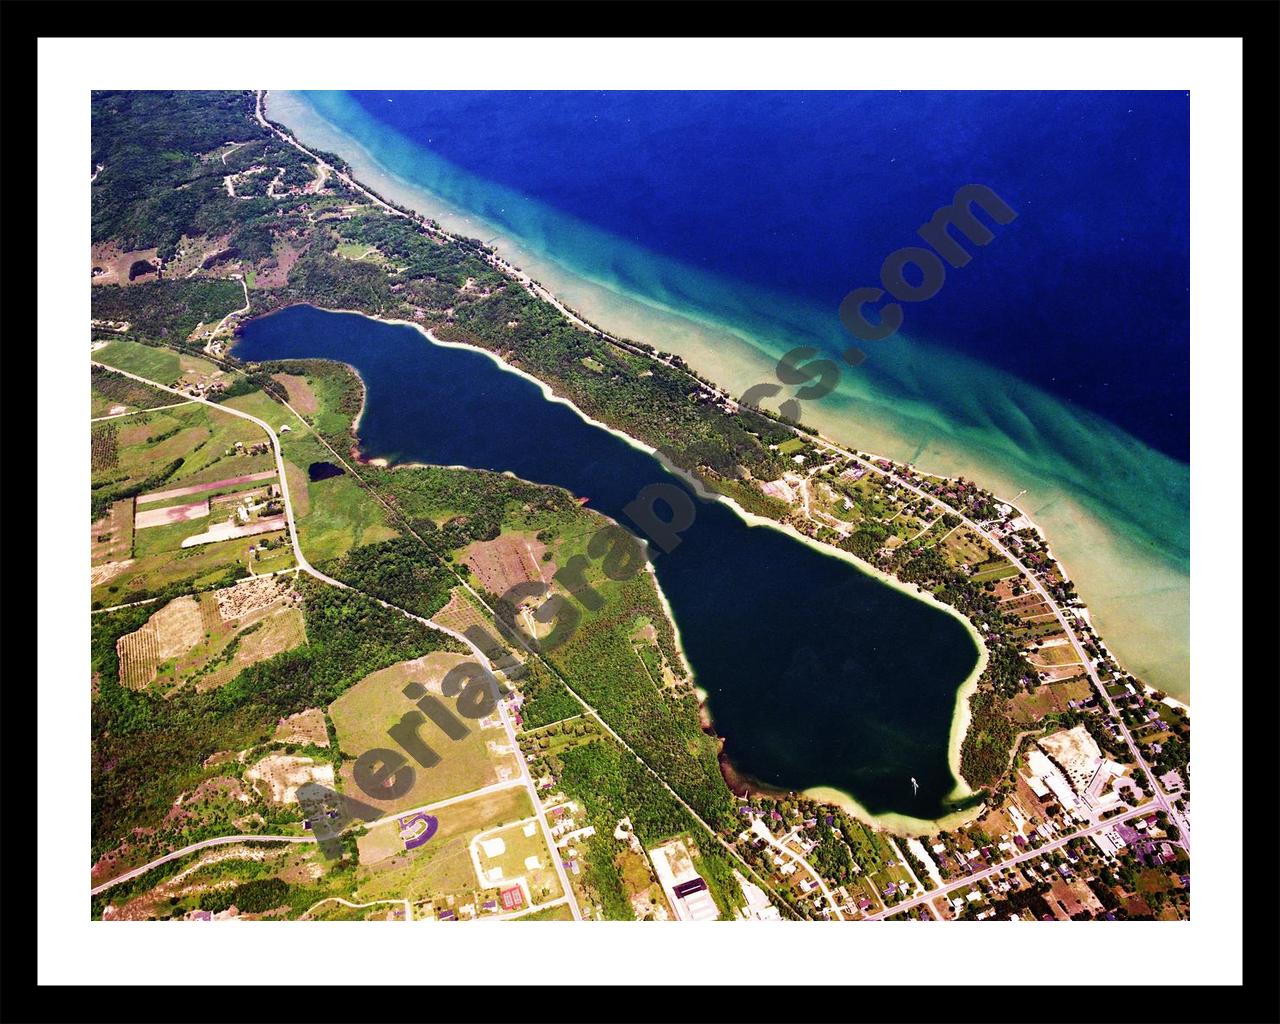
543	882
158	364
443	865
267	409
365	712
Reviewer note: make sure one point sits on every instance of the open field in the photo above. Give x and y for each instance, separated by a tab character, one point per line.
159	452
192	568
333	515
277	776
1055	654
505	855
301	395
162	365
963	547
304	727
109	264
442	866
171	514
1028	708
210	637
514	557
221	486
997	569
266	408
112	535
226	530
365	712
112	392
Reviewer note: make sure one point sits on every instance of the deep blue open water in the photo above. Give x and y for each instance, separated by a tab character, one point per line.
728	226
1085	294
817	673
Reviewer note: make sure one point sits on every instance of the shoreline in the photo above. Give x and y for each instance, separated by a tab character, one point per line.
961	715
1080	528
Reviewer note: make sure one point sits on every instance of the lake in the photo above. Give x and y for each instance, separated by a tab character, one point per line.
818	674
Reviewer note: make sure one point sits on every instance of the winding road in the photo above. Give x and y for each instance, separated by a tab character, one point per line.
307	567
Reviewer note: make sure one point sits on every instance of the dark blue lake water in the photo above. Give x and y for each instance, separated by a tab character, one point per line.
1086	294
817	674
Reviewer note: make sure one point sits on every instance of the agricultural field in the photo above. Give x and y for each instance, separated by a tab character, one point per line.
113	394
443	866
112	535
335	514
203	567
161	478
515	557
189	444
162	365
363	715
207	639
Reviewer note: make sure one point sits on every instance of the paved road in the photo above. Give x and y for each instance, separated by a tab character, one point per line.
996	869
760	829
503	711
1161	798
194	847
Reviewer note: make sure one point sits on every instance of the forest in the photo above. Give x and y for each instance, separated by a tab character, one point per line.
147	749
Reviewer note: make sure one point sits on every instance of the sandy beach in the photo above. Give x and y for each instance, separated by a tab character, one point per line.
1139	602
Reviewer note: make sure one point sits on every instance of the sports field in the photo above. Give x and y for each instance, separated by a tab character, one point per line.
443	866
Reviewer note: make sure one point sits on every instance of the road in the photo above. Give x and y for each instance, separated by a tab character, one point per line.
1161	799
193	848
503	711
760	829
1004	865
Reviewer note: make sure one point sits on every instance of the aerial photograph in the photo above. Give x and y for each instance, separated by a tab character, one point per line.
648	506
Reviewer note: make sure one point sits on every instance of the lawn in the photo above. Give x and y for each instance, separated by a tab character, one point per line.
519	843
365	712
443	865
161	365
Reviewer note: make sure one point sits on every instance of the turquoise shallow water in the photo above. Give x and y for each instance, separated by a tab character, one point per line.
1115	510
